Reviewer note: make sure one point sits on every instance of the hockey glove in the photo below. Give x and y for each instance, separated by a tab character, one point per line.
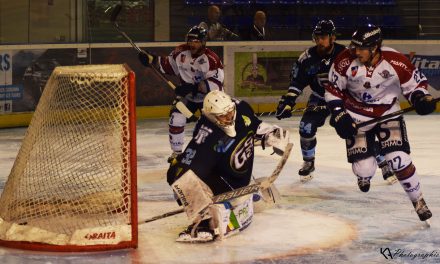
146	58
423	103
342	122
277	139
285	105
187	88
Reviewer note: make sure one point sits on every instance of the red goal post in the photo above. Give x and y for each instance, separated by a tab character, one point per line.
73	185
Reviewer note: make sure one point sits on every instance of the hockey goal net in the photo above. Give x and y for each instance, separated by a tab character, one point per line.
73	184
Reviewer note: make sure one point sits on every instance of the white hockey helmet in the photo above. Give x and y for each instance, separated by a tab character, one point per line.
219	108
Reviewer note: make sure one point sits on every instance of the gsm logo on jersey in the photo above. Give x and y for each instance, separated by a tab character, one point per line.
241	154
101	235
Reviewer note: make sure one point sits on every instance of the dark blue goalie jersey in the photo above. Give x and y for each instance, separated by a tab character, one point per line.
222	162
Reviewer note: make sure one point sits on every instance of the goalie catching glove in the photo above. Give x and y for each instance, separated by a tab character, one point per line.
147	58
286	104
273	136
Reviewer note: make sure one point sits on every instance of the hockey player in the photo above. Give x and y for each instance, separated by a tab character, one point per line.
365	83
200	71
311	69
219	158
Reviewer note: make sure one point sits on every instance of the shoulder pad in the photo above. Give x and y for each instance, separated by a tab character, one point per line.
399	61
343	61
214	60
203	133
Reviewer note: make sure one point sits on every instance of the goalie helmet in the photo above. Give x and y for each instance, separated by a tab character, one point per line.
219	108
197	33
368	36
324	27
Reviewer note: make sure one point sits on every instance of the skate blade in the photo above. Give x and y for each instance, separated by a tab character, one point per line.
391	180
304	179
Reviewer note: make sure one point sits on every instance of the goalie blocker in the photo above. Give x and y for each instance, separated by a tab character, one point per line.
218	159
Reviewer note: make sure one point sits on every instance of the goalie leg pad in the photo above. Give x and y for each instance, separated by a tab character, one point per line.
266	198
235	216
194	195
222	220
269	194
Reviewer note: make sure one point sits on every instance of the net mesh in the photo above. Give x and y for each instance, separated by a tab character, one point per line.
73	169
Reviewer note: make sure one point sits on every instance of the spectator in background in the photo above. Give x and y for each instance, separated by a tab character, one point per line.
258	30
216	30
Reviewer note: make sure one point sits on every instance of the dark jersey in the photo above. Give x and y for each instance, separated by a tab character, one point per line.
222	162
312	69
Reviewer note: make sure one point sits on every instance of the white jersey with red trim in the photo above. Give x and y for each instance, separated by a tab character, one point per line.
206	68
370	92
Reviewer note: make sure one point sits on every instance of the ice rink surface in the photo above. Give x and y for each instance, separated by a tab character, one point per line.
327	220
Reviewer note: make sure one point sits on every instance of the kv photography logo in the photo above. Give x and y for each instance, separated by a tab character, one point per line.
390	254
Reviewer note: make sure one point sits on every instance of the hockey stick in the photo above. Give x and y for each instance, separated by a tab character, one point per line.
296	110
397	113
237	192
179	105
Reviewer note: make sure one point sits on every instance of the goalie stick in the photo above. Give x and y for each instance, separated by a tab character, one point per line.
252	188
179	105
397	113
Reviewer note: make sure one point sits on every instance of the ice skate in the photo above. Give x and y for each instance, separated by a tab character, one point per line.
305	173
173	156
364	183
200	233
387	173
422	210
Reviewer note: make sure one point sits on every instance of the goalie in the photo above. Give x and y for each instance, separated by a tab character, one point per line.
219	158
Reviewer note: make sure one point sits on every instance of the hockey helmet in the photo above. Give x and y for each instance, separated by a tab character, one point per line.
198	33
219	108
324	27
368	36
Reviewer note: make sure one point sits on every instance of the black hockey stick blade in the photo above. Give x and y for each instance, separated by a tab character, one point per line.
239	191
397	113
116	10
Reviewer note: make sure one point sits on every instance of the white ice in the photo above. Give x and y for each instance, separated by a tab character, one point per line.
327	220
